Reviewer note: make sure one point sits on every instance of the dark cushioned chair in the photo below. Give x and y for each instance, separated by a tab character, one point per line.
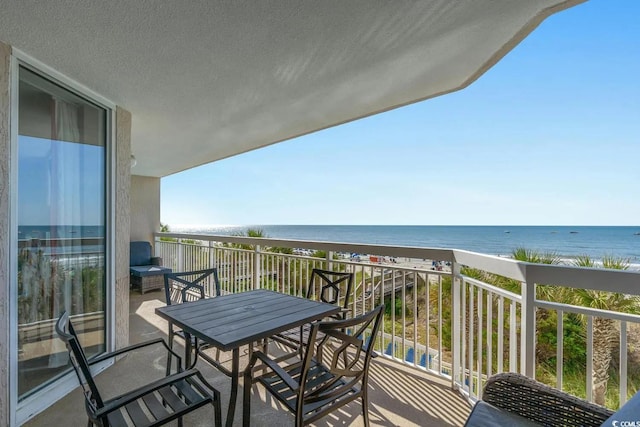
514	399
146	272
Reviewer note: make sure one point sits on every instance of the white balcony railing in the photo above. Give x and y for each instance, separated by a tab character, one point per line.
441	320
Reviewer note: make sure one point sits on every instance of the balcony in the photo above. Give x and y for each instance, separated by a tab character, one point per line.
399	395
447	327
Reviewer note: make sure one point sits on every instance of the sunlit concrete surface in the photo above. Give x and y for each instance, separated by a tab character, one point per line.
398	395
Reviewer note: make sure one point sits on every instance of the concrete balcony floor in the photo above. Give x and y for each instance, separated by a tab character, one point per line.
398	395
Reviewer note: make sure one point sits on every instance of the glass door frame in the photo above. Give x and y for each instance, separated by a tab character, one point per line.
21	411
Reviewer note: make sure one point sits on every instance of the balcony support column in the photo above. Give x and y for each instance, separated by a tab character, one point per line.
122	226
528	330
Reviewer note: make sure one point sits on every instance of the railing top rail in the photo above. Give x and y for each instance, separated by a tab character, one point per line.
439	254
622	281
627	282
506	267
492	289
596	312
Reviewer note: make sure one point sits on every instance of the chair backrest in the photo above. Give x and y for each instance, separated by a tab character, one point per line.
345	345
330	287
190	285
139	253
65	331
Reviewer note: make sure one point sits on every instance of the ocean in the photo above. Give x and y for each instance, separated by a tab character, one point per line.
564	241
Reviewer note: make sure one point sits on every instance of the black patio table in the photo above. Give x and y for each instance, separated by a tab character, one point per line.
230	321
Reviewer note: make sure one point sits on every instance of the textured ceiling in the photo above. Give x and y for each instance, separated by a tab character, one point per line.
206	79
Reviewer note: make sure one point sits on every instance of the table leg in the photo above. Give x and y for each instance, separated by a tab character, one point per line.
187	350
233	396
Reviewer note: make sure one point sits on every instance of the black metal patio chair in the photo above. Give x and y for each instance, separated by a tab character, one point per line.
330	375
332	287
154	404
185	287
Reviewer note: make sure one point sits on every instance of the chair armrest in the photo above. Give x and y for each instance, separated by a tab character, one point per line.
142	391
156	260
541	403
120	351
277	369
341	315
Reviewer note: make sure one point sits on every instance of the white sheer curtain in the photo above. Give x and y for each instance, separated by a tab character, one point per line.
66	122
65	199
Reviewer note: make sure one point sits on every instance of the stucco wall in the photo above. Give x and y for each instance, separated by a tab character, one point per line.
145	207
123	210
5	160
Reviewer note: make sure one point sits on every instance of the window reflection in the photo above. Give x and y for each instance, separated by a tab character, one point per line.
61	226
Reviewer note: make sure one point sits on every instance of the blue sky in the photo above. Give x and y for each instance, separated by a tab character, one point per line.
49	171
548	136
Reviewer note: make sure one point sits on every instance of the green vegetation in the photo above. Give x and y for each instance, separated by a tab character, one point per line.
46	287
605	331
323	254
249	232
164	228
260	234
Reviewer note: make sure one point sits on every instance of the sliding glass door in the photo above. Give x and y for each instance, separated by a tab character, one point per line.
62	202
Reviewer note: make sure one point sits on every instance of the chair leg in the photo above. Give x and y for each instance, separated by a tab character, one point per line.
195	354
246	398
217	409
170	343
300	345
365	409
265	350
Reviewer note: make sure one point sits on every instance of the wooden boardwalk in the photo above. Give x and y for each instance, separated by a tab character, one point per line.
391	281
